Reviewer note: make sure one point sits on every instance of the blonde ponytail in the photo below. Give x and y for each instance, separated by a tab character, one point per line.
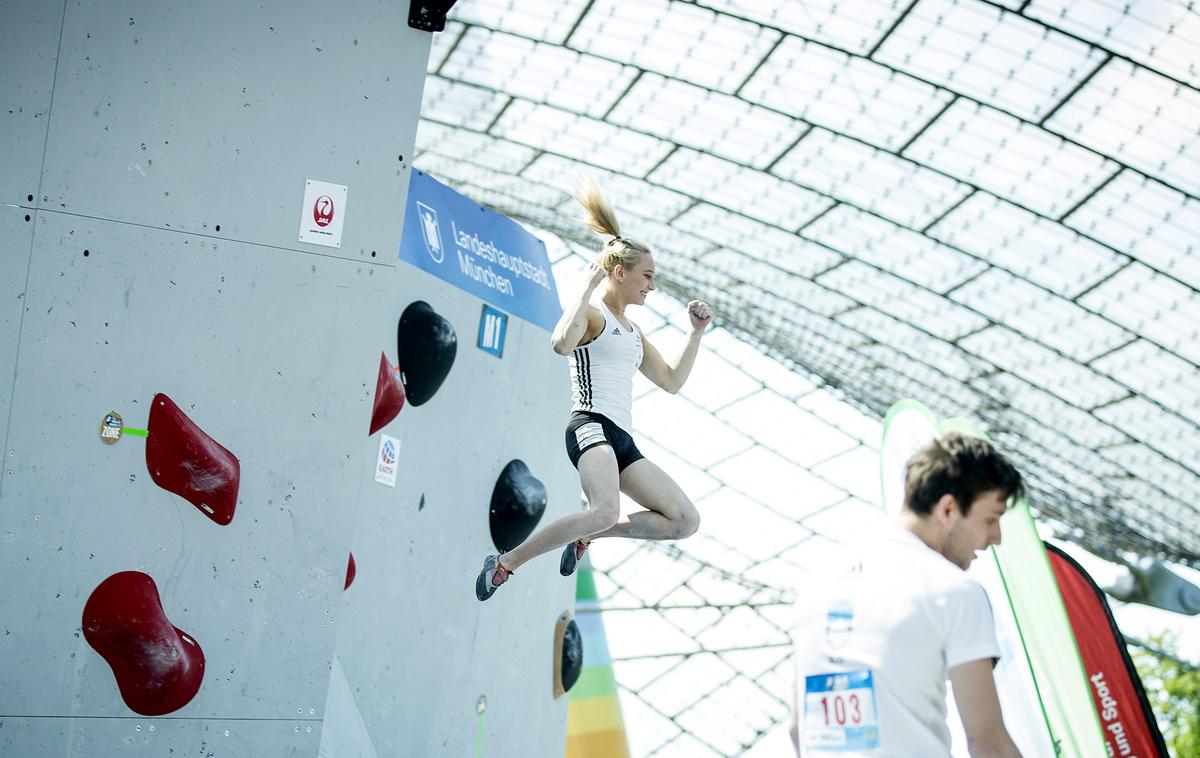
599	216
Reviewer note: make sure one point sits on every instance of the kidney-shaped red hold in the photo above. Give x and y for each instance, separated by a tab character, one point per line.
389	395
158	667
184	460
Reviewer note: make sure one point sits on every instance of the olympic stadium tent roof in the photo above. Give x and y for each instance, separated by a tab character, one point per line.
991	207
987	206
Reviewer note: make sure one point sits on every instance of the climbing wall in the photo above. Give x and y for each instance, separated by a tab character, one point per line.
186	388
422	667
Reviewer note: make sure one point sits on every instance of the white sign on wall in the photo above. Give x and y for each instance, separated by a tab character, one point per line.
322	212
385	466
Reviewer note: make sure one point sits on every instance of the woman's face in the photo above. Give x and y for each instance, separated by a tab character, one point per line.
636	282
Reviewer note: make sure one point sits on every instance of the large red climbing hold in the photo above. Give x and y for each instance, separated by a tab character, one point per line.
184	460
158	667
389	395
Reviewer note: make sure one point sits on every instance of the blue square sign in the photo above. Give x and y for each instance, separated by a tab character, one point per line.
493	327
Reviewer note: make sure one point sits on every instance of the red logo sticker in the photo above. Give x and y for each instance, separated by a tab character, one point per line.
323	210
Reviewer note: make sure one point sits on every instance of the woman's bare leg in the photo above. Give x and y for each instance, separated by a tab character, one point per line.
601	485
670	514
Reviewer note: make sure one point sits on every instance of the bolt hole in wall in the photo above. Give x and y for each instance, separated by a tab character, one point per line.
29	198
218	227
86	253
26	216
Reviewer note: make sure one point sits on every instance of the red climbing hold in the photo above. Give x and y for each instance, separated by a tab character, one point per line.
351	570
389	395
158	667
184	460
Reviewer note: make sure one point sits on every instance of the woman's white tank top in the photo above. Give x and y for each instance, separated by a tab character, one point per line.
602	371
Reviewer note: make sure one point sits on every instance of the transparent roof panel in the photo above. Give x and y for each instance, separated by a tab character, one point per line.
871	179
905	253
472	148
443	43
916	344
1042	367
1027	245
579	137
756	240
705	120
902	300
1147	220
824	20
1167	433
1161	309
1159	375
740	188
553	75
664	238
1010	158
1140	118
547	21
795	434
483	178
457	104
677	40
1163	34
845	93
566	174
1035	403
1039	315
978	50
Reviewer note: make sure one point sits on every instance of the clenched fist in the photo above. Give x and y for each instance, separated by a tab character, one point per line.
700	314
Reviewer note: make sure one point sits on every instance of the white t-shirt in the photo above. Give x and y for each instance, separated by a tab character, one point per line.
873	647
602	371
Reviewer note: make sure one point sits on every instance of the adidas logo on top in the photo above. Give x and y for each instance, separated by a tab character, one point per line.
617	331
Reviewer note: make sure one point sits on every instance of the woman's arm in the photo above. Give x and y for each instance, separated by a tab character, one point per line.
582	321
671	376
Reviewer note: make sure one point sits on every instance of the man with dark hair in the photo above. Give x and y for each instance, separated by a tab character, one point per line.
874	645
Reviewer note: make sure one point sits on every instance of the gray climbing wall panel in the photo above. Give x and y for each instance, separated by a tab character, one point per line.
28	50
167	120
17	236
417	648
273	94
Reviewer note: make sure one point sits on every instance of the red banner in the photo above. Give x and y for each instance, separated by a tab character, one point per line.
1125	714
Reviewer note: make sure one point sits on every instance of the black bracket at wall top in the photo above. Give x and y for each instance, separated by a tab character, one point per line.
429	15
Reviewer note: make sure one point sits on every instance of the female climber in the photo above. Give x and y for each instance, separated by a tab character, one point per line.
604	349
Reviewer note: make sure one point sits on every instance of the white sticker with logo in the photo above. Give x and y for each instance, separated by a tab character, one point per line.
385	465
322	213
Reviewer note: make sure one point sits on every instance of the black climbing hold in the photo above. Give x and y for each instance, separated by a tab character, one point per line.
518	502
425	347
572	656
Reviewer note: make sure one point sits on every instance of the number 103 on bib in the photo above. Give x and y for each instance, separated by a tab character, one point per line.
839	711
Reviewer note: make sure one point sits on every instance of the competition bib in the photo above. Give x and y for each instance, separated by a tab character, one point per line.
839	711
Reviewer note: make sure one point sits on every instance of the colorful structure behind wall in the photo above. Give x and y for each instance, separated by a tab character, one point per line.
594	725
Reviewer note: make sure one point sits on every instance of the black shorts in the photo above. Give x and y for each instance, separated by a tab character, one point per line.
586	430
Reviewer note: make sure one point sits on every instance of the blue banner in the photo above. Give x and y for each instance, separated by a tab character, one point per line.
482	253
